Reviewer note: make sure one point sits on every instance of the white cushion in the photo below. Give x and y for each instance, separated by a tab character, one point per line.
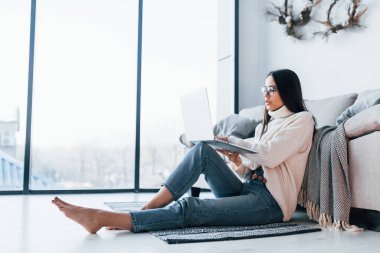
363	123
327	110
365	100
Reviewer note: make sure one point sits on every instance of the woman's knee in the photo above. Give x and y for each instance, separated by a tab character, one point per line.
203	147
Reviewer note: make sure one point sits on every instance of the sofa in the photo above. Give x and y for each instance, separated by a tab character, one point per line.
361	116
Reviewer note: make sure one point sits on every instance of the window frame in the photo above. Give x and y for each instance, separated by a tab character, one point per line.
26	179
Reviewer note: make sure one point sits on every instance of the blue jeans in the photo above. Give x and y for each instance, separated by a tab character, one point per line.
236	203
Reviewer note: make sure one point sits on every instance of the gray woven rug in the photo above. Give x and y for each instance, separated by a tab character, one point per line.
217	233
221	233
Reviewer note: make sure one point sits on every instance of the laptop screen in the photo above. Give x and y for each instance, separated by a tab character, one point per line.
196	116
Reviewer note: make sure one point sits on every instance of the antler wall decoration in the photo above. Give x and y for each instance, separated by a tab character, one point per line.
293	22
351	22
285	16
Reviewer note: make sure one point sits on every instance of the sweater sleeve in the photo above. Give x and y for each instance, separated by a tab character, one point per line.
286	142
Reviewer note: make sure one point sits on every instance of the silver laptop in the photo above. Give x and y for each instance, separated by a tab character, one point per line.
198	125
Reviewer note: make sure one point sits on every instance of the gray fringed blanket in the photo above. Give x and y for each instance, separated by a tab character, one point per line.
325	191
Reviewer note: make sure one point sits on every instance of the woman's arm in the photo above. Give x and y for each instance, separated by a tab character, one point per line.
244	168
239	164
286	142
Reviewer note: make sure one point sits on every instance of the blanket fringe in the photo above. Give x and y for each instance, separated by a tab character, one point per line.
324	219
345	226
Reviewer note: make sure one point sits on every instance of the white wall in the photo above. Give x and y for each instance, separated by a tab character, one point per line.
226	59
347	62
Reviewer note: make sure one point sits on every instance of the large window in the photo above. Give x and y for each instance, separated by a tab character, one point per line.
14	45
84	103
84	58
179	55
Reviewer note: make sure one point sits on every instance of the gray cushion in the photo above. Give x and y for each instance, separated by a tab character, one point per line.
327	110
234	125
255	113
365	100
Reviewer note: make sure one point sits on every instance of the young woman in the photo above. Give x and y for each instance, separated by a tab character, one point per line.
271	178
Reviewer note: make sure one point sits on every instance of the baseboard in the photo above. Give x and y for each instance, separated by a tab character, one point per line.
373	220
367	219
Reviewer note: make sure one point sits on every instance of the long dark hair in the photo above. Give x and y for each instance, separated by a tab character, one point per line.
289	89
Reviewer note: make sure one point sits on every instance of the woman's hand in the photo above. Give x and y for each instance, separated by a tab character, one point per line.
234	157
222	138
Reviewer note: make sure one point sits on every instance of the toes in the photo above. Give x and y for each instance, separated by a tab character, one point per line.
63	202
60	201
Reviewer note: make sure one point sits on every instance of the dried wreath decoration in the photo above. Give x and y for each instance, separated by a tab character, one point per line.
351	23
285	16
294	22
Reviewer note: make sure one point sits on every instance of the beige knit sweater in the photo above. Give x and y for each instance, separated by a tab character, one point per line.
282	152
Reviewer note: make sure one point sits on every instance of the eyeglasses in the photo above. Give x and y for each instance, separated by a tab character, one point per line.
268	90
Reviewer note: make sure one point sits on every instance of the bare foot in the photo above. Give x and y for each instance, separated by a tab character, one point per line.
146	207
84	216
152	205
162	198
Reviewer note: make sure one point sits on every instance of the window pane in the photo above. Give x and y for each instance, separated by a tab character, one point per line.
14	51
83	128
179	55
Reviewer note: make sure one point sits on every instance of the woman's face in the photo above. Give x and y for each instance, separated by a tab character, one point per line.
272	98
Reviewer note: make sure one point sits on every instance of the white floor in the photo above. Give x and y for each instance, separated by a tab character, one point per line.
32	224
